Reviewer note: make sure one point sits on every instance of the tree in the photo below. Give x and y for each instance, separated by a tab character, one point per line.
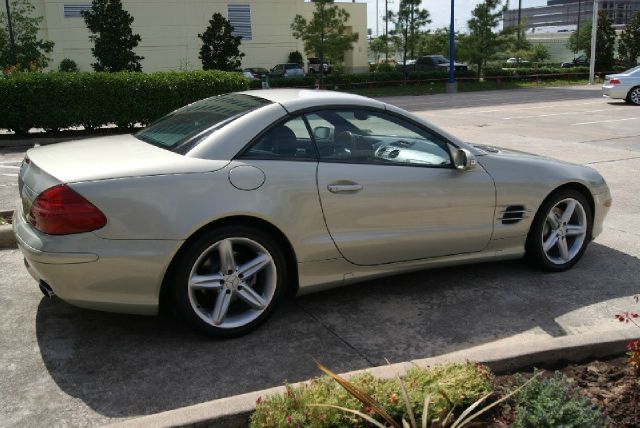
629	42
482	43
409	21
581	42
219	49
31	53
325	35
112	37
538	53
434	43
379	46
295	57
605	42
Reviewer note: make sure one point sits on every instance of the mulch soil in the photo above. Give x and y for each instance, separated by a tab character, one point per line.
610	385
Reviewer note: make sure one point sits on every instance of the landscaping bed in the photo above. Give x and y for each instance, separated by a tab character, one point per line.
5	220
593	394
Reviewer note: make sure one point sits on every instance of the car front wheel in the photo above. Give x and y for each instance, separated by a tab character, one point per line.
229	281
560	231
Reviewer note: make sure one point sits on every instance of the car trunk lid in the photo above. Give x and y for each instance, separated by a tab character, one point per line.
110	157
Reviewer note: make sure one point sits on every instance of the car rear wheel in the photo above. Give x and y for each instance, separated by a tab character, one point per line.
229	281
560	231
634	96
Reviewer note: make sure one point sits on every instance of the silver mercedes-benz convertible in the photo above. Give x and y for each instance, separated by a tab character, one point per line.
223	207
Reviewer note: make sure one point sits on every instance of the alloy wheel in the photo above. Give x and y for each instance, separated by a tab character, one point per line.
634	96
232	283
564	231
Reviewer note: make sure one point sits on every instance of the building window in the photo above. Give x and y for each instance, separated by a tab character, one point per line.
239	16
73	10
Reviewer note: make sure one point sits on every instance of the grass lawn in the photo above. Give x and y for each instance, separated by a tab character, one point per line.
463	86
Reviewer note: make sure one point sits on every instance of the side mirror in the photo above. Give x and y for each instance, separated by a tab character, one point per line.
322	132
464	160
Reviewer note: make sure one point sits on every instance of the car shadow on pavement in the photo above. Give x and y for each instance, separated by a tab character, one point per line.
124	366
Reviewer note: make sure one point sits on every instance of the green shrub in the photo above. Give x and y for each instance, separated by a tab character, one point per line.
60	100
552	403
463	382
295	57
68	66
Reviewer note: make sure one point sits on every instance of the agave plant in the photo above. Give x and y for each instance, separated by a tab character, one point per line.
447	421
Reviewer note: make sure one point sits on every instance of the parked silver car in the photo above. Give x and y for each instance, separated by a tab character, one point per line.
224	206
623	86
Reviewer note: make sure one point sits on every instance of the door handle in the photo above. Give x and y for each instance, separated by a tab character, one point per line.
340	188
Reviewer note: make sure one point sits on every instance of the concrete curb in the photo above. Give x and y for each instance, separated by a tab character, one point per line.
233	412
7	238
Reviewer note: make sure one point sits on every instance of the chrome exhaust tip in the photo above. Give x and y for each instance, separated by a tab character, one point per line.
46	289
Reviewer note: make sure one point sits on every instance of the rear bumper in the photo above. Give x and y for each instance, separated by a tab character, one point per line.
95	273
615	91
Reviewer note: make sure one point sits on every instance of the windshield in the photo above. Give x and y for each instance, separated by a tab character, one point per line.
188	125
439	59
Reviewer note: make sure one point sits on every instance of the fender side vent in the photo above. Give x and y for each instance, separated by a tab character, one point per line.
513	214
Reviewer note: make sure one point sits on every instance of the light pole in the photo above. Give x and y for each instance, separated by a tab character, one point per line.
519	21
452	85
578	29
594	33
11	36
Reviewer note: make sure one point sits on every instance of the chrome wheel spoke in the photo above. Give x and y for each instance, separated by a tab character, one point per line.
568	211
221	307
247	270
227	260
563	248
575	230
251	297
550	242
553	220
206	282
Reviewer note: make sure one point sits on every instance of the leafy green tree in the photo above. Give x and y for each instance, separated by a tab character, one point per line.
538	53
581	42
68	66
325	34
379	46
409	21
629	42
434	43
112	37
31	53
220	48
605	42
483	43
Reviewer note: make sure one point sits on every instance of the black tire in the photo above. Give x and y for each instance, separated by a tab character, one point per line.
535	253
190	256
630	96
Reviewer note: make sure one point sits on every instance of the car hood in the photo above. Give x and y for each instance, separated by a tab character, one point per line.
536	168
114	156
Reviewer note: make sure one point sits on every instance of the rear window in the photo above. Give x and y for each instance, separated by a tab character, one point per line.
184	128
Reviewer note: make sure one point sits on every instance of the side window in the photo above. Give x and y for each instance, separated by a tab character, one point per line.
363	136
289	140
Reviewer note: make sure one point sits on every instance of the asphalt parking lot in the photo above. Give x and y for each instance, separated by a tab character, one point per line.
62	365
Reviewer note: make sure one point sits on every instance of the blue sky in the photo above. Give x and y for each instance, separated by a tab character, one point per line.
439	10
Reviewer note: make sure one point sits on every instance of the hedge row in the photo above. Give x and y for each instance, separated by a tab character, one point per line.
61	100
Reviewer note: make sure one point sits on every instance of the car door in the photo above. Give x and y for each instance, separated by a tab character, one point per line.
389	191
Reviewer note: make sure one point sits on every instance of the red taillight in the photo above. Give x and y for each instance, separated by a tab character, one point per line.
614	82
61	211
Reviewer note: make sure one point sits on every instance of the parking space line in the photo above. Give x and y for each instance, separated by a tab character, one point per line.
511	107
553	114
9	175
605	121
9	166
